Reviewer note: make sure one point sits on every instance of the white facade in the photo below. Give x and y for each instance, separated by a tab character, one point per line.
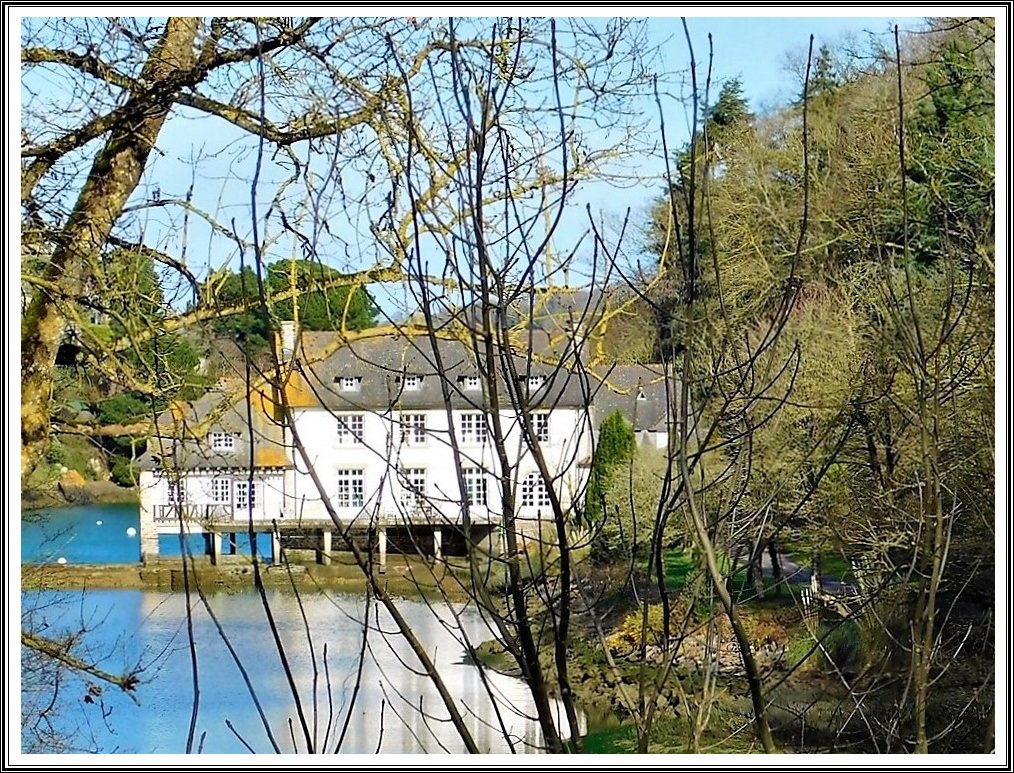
387	451
369	463
392	468
206	495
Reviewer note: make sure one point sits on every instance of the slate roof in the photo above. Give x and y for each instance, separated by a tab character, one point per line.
183	433
380	364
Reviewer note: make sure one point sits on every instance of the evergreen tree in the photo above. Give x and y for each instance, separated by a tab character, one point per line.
825	76
319	308
730	109
616	445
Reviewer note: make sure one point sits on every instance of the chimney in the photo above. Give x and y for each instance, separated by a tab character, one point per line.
287	338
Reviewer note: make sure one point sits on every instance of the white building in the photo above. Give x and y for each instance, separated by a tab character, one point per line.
397	435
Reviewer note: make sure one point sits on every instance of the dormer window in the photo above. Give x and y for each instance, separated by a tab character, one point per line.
534	382
223	442
349	383
641	395
412	383
471	383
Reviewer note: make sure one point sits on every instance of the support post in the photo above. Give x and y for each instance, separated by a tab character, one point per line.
438	540
276	548
232	543
324	551
216	548
148	532
382	544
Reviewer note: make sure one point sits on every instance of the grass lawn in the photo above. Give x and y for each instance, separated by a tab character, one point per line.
679	568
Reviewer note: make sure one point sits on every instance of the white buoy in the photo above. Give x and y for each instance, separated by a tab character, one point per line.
98	523
61	560
131	532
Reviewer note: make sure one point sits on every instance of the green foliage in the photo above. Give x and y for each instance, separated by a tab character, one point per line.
626	637
844	647
124	408
123	472
74	454
169	363
616	444
632	495
951	154
680	569
55	454
730	110
870	426
249	329
826	75
319	307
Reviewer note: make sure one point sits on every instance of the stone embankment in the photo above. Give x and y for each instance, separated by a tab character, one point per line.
404	577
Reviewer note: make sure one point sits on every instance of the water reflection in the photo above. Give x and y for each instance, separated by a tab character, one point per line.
396	709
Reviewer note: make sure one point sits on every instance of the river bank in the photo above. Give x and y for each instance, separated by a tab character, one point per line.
66	493
405	577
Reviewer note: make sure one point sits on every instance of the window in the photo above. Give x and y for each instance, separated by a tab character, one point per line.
540	423
350	429
473	428
475	486
413	488
349	383
350	488
471	383
176	496
412	383
246	495
222	441
641	395
534	492
413	429
220	490
534	382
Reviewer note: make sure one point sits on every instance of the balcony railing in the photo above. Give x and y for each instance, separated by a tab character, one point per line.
169	513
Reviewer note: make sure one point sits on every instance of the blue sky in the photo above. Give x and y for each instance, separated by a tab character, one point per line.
753	49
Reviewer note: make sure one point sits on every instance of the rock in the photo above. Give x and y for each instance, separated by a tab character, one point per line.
71	477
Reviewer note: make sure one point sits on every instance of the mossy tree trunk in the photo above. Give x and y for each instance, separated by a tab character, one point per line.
115	173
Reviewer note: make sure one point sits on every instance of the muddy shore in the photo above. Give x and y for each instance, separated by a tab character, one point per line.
403	577
95	492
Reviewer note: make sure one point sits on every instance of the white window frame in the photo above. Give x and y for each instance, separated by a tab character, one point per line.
240	489
350	489
540	427
350	429
221	491
413	488
413	428
176	492
223	442
535	492
476	487
471	383
412	383
474	430
350	383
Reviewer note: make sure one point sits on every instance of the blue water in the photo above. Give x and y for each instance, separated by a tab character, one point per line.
146	630
123	630
97	534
